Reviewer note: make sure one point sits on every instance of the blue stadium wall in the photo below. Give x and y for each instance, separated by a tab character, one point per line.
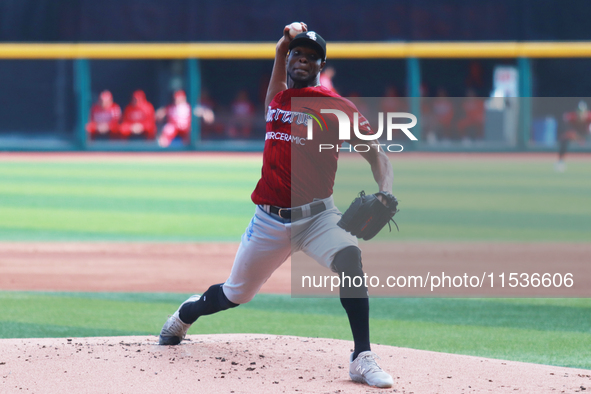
343	20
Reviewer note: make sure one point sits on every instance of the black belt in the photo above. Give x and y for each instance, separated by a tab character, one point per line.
294	214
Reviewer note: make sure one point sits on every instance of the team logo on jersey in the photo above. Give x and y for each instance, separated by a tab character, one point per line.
275	114
315	115
312	35
300	118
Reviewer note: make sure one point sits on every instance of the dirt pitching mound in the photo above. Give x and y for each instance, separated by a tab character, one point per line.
245	363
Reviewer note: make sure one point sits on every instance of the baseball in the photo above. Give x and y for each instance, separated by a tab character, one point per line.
295	28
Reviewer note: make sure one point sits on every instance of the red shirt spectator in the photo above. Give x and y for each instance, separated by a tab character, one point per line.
242	116
578	123
443	115
326	78
210	129
471	125
178	120
475	78
392	102
104	118
138	118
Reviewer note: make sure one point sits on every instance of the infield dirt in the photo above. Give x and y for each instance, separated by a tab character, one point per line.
247	364
236	363
188	268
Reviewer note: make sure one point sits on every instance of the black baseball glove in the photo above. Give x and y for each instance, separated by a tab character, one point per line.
367	215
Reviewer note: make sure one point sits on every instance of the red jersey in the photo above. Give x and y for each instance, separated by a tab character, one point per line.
579	121
179	115
443	109
143	114
111	114
139	113
242	108
312	174
474	109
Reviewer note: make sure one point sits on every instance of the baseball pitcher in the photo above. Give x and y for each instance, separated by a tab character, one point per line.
301	216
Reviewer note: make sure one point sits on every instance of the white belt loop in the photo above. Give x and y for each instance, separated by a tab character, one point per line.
306	211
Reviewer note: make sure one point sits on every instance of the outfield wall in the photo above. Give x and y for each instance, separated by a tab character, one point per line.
52	86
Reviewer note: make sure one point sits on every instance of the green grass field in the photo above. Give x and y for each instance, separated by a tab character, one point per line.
456	200
475	199
547	331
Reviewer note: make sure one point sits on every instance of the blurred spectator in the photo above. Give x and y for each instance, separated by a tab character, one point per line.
104	118
138	119
178	120
577	125
242	116
471	125
424	90
443	115
475	78
392	102
205	111
205	107
362	105
326	78
426	113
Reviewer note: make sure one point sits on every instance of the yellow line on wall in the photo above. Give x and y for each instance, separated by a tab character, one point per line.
266	50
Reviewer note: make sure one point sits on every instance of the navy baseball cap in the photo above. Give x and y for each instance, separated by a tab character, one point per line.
310	39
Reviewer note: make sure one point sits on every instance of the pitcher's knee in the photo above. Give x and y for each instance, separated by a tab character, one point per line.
348	261
237	296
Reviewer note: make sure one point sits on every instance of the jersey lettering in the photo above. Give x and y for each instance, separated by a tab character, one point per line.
271	135
273	114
